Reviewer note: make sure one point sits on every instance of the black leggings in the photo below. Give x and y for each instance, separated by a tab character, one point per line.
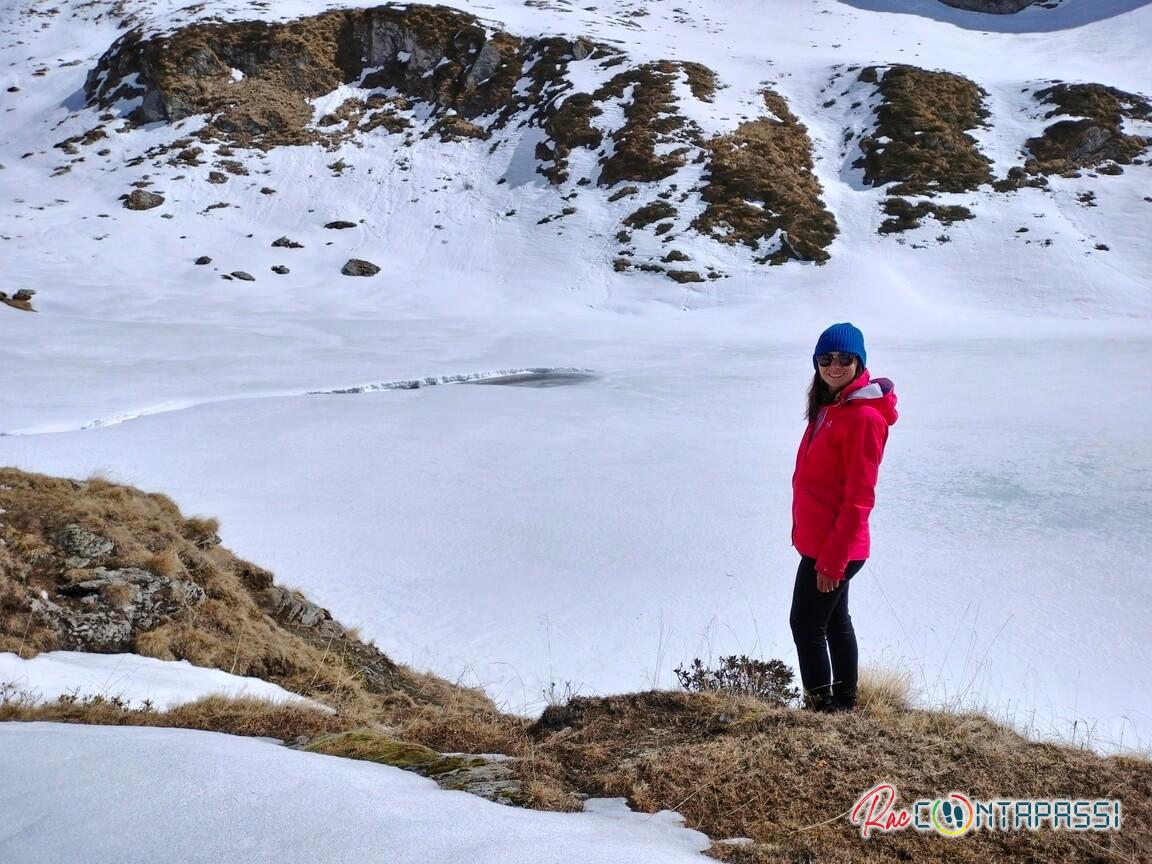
822	627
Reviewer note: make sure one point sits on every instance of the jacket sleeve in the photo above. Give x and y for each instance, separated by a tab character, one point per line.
863	443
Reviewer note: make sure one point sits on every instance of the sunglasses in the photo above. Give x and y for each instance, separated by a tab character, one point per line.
843	359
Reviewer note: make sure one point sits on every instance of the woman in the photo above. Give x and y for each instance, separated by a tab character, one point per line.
833	490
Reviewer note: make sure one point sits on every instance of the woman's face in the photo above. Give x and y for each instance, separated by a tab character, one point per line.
835	375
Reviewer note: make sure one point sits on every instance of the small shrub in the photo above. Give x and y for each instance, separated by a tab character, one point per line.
769	680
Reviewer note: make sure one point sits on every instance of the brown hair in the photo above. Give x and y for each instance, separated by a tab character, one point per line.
820	394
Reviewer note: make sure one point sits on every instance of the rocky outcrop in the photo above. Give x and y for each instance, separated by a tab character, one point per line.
995	7
429	53
1093	135
102	610
141	199
82	546
292	607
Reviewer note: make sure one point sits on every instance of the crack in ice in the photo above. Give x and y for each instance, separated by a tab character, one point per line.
533	376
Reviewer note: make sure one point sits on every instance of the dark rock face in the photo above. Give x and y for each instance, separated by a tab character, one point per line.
358	267
202	260
340	224
102	610
996	7
141	199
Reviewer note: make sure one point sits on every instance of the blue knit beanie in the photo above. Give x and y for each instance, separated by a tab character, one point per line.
843	338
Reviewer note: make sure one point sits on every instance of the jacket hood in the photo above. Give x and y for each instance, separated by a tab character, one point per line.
877	393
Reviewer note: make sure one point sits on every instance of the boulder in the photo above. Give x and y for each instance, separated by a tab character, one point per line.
81	544
243	276
22	305
289	607
203	259
340	224
141	199
358	267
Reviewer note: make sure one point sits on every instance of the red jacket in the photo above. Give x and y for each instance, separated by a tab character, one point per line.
834	486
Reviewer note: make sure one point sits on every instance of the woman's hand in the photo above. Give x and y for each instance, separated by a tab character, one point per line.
825	584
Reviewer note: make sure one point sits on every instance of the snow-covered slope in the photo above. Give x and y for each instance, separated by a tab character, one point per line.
218	798
600	533
130	679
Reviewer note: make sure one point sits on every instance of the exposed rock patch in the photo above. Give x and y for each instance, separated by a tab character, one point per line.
102	610
359	267
1095	136
141	199
82	545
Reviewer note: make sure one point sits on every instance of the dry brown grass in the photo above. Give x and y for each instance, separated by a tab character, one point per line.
650	118
883	691
701	80
738	768
927	116
1095	137
760	182
241	716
